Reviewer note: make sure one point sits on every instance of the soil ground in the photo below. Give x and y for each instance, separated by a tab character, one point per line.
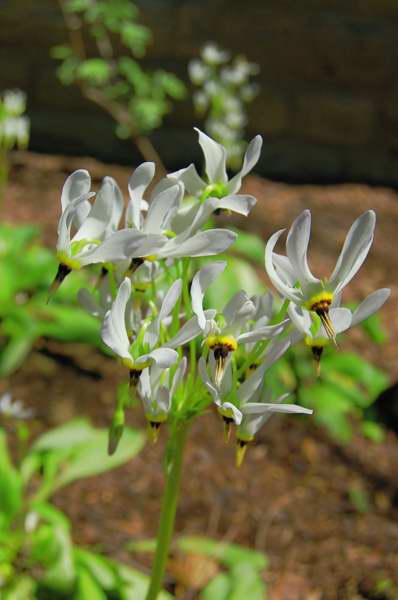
292	498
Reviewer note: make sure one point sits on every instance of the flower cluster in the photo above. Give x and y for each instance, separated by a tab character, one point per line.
14	125
181	355
225	88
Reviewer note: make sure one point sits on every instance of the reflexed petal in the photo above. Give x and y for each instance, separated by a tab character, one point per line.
201	281
370	305
355	249
179	375
284	269
341	319
208	383
163	357
263	333
279	284
151	335
118	246
76	185
262	407
239	203
162	209
189	330
191	180
250	160
113	332
300	318
163	400
296	248
137	185
102	213
215	158
88	302
238	310
204	243
237	415
64	228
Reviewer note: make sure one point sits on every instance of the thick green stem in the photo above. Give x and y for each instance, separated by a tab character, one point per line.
174	460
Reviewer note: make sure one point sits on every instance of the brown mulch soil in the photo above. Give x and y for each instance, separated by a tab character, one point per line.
293	496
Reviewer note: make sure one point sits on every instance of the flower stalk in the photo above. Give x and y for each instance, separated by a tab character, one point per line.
173	469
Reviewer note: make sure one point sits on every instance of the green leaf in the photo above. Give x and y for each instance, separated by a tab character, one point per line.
67	436
87	587
246	583
10	483
218	588
133	585
171	85
375	330
23	588
373	431
52	547
15	353
92	459
60	52
362	372
136	37
228	554
99	568
94	70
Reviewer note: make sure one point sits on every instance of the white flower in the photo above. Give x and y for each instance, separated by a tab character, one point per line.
198	72
292	277
14	102
138	355
156	389
213	55
217	184
235	325
15	409
314	333
181	237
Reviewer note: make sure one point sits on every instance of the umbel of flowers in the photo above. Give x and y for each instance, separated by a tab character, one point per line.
182	356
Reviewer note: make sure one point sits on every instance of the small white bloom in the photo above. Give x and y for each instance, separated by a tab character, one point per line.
213	55
292	277
14	410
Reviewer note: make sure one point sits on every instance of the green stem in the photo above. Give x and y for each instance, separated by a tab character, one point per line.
174	460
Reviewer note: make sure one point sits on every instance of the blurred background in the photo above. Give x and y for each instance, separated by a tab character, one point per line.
106	84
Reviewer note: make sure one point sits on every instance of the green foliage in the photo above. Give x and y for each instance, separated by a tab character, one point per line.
37	553
24	313
137	98
243	567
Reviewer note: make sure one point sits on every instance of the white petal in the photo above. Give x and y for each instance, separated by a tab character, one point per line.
113	332
208	383
300	318
137	185
163	400
355	249
189	330
240	204
162	209
179	375
215	158
296	248
204	243
278	283
191	180
341	319
201	281
236	413
163	357
284	269
151	335
89	303
370	305
239	309
250	160
101	214
76	185
261	407
263	333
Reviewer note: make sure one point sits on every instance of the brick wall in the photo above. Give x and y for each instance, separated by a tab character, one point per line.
328	107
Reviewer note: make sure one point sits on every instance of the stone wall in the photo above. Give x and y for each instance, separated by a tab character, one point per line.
328	108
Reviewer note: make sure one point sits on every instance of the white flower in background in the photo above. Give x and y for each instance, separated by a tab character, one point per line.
213	55
14	102
314	333
198	71
136	355
234	326
13	410
14	126
239	72
156	389
217	184
182	241
201	101
292	277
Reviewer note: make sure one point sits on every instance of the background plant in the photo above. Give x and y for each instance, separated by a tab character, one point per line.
225	88
14	129
103	57
37	555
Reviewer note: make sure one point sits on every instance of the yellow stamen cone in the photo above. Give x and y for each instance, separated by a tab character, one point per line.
153	432
227	430
240	453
